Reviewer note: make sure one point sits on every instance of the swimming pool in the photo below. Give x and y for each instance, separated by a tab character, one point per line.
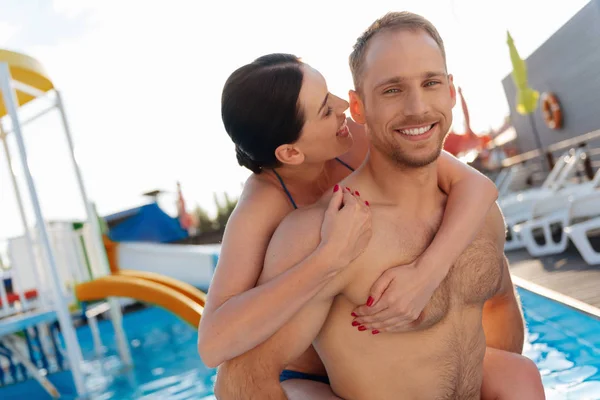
163	348
565	345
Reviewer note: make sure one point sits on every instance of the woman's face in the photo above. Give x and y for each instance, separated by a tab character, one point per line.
324	135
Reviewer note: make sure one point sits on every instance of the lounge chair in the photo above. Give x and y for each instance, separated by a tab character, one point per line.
578	233
518	208
552	214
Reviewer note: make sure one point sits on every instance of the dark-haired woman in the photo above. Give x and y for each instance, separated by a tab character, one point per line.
293	134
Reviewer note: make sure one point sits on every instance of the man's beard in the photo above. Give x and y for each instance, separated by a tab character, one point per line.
403	158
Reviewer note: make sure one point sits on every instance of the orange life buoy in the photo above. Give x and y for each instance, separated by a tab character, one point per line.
551	110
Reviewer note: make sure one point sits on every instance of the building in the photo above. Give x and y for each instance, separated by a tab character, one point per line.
568	65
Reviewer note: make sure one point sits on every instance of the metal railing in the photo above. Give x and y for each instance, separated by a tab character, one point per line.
542	161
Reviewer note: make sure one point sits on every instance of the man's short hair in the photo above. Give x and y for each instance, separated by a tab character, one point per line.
390	21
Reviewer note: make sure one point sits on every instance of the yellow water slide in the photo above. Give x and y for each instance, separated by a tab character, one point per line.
182	287
181	299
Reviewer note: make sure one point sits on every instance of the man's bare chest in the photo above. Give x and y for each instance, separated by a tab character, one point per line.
473	278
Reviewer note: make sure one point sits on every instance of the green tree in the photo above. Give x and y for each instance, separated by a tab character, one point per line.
204	223
225	207
224	210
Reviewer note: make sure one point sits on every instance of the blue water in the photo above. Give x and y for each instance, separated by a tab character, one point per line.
163	348
564	344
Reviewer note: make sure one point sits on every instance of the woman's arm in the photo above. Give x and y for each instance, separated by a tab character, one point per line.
470	196
239	316
398	297
235	309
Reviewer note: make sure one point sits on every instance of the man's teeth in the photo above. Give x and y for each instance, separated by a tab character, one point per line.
415	131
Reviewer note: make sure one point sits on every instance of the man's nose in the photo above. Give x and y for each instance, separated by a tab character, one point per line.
415	103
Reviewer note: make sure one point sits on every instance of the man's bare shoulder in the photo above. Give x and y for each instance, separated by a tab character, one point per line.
298	235
300	224
495	226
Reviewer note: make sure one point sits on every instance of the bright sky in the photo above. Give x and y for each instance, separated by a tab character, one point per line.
142	81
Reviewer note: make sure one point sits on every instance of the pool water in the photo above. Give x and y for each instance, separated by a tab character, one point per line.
564	344
166	362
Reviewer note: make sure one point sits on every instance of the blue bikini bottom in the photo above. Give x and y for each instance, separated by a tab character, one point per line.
289	374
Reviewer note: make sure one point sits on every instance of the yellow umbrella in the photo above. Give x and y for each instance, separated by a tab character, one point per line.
527	98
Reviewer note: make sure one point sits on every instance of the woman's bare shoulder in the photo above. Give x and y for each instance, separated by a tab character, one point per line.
262	199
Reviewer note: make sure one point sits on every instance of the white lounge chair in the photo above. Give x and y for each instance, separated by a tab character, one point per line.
551	215
518	208
563	170
578	233
511	179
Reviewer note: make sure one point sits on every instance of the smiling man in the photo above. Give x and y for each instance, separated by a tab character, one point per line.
404	97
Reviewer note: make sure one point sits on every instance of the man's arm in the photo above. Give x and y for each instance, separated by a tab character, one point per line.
502	316
255	374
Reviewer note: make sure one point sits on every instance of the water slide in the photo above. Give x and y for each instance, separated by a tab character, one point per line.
167	275
180	298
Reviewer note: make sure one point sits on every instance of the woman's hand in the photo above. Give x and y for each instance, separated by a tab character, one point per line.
346	228
396	300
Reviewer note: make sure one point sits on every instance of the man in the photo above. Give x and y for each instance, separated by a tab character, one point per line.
404	97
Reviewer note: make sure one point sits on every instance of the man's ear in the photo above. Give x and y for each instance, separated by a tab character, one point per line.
452	89
357	108
289	154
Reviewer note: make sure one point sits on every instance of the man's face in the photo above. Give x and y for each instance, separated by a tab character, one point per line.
407	97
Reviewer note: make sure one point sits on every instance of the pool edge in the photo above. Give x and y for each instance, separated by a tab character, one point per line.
556	296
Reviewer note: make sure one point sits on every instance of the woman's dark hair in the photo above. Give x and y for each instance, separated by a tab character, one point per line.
260	109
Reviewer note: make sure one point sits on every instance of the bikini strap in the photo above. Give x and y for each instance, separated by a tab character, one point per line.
344	164
287	192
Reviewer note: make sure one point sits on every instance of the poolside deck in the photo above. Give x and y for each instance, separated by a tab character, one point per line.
565	273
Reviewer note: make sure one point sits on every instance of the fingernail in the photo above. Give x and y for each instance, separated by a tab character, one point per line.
355	323
336	188
375	332
370	301
348	189
362	328
366	202
356	193
354	314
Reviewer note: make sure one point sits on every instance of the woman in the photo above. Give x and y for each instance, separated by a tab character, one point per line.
297	143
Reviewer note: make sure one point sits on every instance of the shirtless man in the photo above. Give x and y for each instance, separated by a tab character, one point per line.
404	98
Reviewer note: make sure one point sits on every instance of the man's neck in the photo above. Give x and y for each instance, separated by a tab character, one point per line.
413	187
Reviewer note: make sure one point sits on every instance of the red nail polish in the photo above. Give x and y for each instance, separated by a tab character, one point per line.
355	323
336	188
370	301
366	202
375	332
348	189
356	193
354	314
362	328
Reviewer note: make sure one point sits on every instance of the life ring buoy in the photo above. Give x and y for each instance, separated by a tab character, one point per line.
551	110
